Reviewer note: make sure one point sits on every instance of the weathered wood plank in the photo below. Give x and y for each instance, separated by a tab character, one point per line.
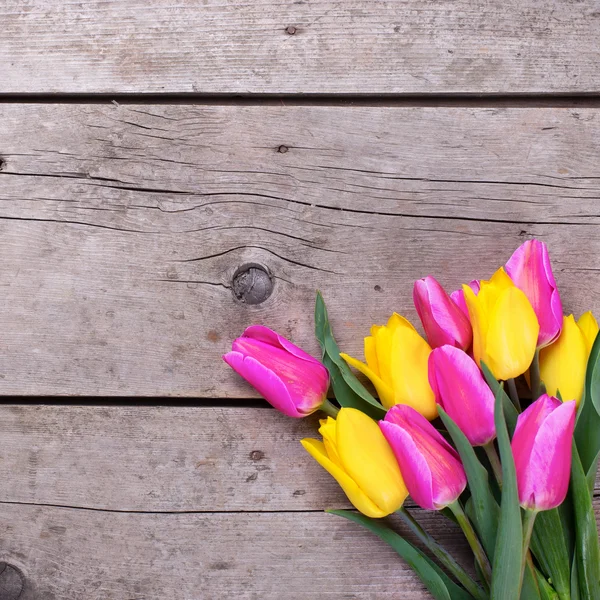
122	226
172	458
72	554
356	47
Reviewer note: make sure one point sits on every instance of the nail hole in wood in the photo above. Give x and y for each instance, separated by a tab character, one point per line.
252	284
290	30
12	582
2	164
282	149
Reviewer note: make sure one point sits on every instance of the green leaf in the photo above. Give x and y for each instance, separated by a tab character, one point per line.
348	390
549	546
510	412
587	549
434	579
574	580
484	507
592	375
547	592
506	567
530	589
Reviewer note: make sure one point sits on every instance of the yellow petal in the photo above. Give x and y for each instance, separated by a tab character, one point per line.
410	356
479	322
384	391
589	327
358	498
397	320
328	431
383	348
563	363
369	460
371	355
512	334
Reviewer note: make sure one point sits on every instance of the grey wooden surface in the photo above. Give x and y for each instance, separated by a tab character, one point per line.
299	47
134	185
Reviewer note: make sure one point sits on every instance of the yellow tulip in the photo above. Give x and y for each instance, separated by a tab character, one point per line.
589	327
357	455
397	358
505	328
563	363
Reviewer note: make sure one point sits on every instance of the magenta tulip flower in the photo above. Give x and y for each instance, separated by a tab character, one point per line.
459	296
461	390
443	321
431	468
529	268
287	377
541	446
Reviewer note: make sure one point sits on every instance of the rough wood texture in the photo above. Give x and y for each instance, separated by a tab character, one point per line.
121	227
397	46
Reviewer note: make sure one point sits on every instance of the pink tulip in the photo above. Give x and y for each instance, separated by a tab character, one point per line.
541	447
431	468
529	268
459	296
287	377
442	319
462	392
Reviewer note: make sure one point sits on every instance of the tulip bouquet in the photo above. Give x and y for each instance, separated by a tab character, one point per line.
515	472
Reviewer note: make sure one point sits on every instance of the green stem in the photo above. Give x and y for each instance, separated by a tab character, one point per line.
528	521
534	376
473	540
512	392
442	555
494	459
329	409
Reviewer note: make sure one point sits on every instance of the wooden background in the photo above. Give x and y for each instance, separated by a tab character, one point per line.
149	150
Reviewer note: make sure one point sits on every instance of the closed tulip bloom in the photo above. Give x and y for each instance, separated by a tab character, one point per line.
287	377
442	319
356	454
589	327
529	267
505	328
462	392
396	364
459	297
430	466
541	447
563	363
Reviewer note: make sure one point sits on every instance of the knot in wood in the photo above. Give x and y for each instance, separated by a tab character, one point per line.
252	284
12	582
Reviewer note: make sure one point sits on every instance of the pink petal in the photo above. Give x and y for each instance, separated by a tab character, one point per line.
264	334
458	296
462	392
268	385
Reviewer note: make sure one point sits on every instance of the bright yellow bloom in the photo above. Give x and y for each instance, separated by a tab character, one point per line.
505	328
563	363
397	358
589	327
357	455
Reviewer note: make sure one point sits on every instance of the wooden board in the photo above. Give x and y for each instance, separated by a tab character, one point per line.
121	228
351	47
188	503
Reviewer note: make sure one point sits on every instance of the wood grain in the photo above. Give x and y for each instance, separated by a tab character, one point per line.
317	47
122	227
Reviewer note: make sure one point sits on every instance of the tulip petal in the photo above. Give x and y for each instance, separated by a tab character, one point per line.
265	381
529	267
563	363
358	498
371	355
512	334
384	391
380	479
410	363
589	327
462	392
396	321
264	334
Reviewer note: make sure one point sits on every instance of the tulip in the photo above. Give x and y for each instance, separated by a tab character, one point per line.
356	454
442	319
541	447
563	364
589	327
396	364
431	468
287	377
459	296
529	268
462	392
505	328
